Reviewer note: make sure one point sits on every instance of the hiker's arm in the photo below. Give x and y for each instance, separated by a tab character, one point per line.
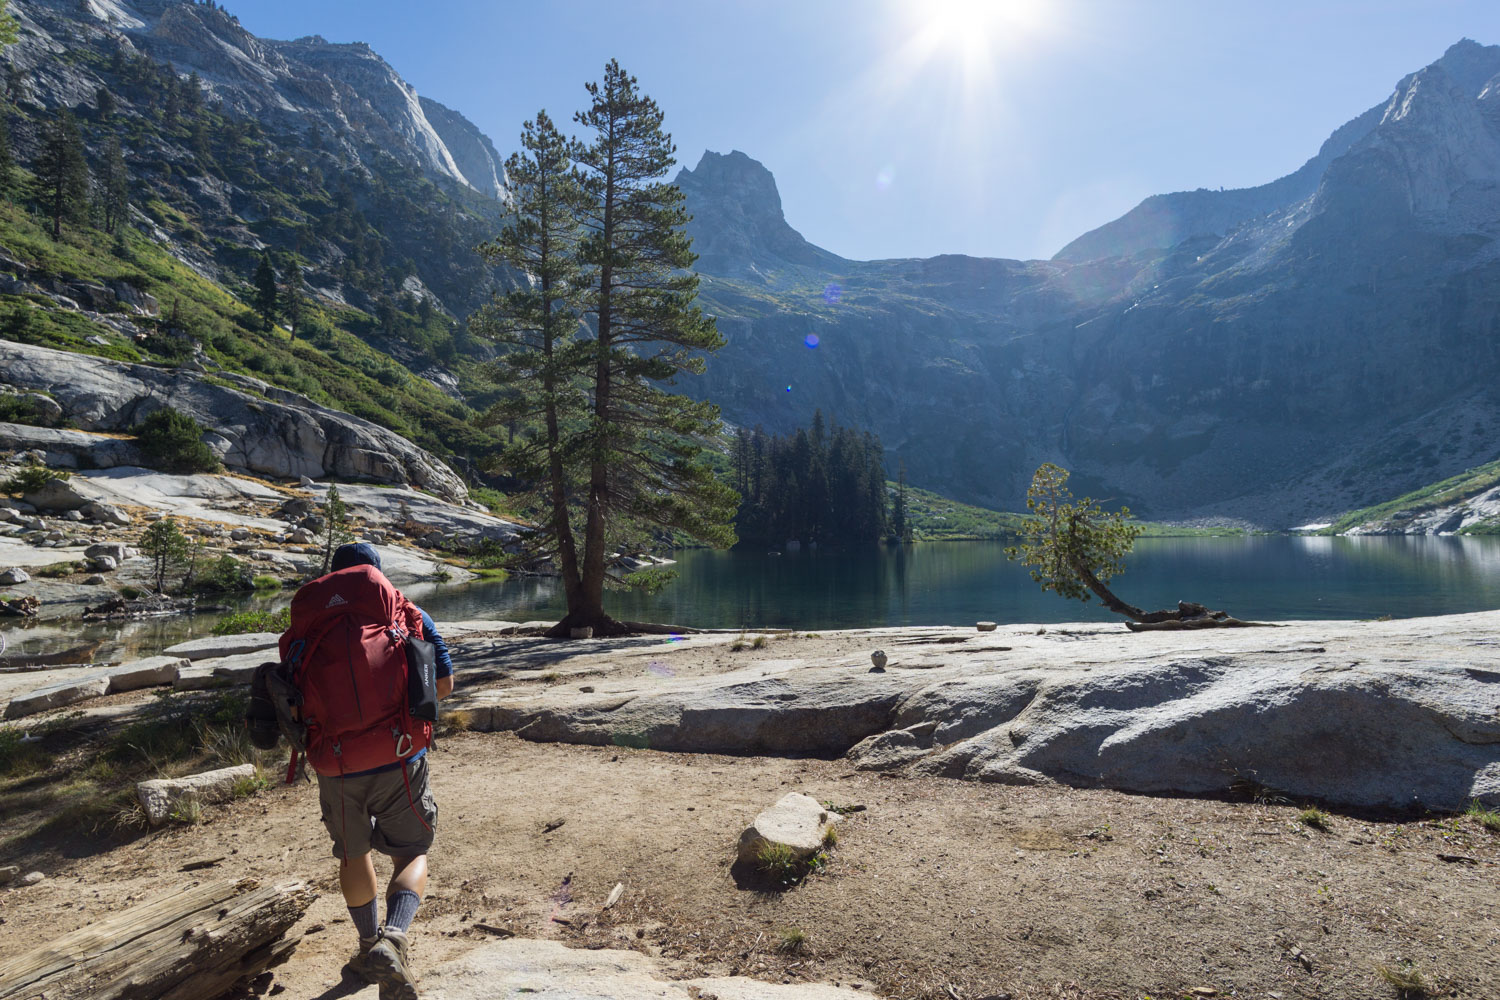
444	669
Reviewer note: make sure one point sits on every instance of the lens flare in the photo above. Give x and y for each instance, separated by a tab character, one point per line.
832	293
885	177
811	340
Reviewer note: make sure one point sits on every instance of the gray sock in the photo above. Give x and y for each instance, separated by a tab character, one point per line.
400	908
366	918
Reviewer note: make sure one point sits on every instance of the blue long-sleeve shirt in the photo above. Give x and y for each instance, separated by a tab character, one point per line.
430	633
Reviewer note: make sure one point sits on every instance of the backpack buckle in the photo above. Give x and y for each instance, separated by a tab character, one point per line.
403	742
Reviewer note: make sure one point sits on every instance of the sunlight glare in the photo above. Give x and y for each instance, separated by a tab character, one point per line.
975	31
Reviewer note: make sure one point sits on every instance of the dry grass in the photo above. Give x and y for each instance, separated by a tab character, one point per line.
793	941
1487	818
1407	979
1315	818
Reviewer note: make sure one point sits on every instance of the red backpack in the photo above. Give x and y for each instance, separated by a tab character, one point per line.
345	653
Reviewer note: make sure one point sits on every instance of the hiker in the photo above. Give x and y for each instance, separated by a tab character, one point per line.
382	801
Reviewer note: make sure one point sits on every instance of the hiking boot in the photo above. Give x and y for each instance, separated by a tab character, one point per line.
388	961
360	963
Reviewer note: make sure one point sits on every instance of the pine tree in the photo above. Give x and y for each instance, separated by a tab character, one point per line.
900	527
540	374
265	290
62	173
116	184
9	29
336	526
192	91
292	305
644	444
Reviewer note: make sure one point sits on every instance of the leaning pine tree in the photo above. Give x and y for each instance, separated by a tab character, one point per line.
644	445
540	373
1074	547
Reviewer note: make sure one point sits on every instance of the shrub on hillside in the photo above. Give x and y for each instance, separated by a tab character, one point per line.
173	442
241	622
29	478
226	574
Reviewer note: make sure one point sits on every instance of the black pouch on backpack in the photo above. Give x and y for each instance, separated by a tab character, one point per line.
260	715
421	679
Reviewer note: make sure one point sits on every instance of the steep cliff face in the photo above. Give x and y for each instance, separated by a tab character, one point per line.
1338	347
473	152
349	90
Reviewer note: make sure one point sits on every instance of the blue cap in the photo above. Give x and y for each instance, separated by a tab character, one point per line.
355	554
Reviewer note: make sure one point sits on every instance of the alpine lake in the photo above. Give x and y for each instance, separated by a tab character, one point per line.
1261	577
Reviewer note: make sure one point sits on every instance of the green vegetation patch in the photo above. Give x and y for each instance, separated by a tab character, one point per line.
242	622
1452	490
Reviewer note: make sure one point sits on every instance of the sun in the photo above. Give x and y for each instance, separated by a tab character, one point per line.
974	33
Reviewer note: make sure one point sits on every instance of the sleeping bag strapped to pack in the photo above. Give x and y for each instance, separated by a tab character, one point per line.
346	654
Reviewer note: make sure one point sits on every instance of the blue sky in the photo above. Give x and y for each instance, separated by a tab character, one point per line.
908	128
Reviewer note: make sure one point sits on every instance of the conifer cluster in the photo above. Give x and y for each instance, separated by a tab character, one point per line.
824	485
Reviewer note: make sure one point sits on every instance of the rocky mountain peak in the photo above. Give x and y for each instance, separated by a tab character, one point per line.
736	175
738	227
1469	65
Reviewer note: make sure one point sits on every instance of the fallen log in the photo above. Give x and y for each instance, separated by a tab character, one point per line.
193	943
20	607
1189	616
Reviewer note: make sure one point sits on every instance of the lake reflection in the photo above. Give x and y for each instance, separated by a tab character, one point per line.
947	583
951	583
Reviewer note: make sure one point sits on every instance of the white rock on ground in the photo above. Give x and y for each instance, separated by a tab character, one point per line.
201	497
796	821
73	687
161	796
118	551
384	505
150	672
106	514
12	576
1367	714
548	970
71	448
62	494
212	646
221	671
58	695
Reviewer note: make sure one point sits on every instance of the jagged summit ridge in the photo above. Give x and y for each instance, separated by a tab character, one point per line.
347	87
1163	221
738	227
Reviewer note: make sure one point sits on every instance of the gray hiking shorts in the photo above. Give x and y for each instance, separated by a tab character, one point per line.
392	814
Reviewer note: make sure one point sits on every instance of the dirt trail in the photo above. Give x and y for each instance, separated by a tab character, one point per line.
1034	892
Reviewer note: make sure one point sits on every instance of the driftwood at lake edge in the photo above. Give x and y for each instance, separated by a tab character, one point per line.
193	943
1189	616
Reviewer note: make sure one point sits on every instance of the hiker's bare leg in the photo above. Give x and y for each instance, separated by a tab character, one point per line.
410	874
357	879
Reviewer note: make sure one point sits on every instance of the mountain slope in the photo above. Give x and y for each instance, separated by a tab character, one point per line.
1277	355
1340	347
